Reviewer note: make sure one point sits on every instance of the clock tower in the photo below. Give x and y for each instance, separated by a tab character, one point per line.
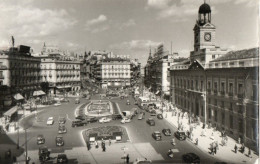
204	31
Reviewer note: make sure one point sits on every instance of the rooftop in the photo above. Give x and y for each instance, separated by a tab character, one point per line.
241	54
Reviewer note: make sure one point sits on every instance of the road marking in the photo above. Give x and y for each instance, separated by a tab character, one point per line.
68	117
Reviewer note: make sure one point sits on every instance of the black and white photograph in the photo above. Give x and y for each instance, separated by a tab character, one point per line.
129	81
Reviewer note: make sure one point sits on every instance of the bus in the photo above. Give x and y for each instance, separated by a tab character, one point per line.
142	101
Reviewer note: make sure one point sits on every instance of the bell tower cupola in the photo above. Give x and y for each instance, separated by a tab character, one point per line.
204	30
204	14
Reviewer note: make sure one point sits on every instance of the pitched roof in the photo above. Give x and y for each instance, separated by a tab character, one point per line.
241	54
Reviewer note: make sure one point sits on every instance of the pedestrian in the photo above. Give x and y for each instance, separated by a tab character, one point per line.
88	145
243	149
239	140
127	158
96	144
249	153
104	148
109	141
215	150
212	136
196	141
203	127
235	148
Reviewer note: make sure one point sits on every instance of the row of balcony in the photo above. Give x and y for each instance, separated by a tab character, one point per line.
223	93
3	67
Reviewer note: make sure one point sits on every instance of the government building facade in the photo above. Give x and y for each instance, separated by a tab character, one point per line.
219	87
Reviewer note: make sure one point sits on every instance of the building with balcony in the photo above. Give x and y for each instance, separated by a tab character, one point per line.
157	71
114	72
19	73
60	71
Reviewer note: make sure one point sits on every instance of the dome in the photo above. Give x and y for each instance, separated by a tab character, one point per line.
204	8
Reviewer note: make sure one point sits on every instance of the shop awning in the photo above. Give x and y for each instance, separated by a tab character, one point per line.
18	96
11	111
38	93
63	87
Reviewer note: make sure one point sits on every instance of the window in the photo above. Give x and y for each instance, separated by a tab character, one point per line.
216	102
231	107
209	113
215	87
213	56
216	115
240	126
223	118
230	88
209	85
202	111
255	93
196	84
222	87
201	85
222	104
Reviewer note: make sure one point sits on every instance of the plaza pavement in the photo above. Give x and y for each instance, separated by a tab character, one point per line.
113	154
224	153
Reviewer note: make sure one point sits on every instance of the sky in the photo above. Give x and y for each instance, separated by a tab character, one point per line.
125	27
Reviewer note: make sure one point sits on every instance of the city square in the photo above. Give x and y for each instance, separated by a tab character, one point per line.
160	100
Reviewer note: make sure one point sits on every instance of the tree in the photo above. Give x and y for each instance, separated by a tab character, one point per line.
45	87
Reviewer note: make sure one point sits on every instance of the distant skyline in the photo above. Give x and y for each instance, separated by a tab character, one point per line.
126	27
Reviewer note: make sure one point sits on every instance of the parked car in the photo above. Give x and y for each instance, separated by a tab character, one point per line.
81	117
59	141
62	120
160	116
167	132
141	116
57	104
91	119
84	96
157	135
44	153
150	121
77	123
50	121
180	135
88	97
104	120
62	158
62	129
153	113
40	139
117	117
142	161
191	158
125	120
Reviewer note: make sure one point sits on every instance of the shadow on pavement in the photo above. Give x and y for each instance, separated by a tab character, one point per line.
8	150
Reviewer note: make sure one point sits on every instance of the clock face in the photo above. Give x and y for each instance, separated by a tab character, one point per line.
207	36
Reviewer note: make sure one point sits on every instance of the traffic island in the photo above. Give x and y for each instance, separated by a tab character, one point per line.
106	133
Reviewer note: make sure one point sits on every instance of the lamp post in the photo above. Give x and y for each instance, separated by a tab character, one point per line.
204	95
18	136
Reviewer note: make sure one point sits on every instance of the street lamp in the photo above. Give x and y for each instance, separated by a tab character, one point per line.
204	95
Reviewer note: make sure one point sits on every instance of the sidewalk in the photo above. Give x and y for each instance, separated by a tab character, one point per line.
113	154
224	153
